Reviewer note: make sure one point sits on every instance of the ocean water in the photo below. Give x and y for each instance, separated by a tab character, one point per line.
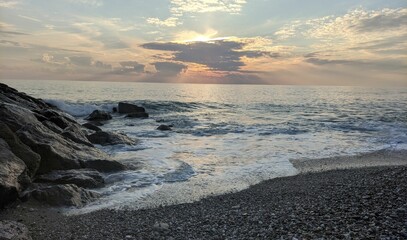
226	137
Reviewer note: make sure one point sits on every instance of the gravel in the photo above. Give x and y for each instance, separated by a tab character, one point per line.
364	203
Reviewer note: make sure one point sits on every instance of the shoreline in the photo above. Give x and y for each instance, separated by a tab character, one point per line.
340	201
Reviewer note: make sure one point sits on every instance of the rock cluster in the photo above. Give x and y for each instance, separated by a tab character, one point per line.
40	143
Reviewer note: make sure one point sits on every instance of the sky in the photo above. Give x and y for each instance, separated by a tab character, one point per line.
336	42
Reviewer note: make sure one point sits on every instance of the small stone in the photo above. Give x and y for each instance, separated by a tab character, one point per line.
161	226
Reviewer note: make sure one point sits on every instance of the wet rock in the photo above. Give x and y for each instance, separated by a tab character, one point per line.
22	151
13	174
86	178
11	230
110	138
76	134
64	195
164	127
99	115
130	108
92	126
114	109
137	115
52	126
105	165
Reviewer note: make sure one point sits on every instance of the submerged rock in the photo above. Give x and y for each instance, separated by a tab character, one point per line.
99	115
64	195
130	108
12	230
164	127
110	138
137	115
87	178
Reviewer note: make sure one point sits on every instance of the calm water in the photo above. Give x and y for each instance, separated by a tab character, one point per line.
227	137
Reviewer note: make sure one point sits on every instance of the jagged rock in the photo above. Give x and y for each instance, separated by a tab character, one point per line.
130	108
91	126
110	138
22	151
64	195
13	174
86	178
12	96
12	230
75	133
137	115
164	128
105	165
52	126
99	115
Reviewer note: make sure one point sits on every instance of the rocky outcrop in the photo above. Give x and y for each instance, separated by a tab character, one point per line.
63	195
130	108
99	115
13	174
12	230
137	115
92	126
110	138
86	178
38	139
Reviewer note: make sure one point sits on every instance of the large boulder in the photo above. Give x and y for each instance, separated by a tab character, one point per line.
64	195
92	126
12	230
99	115
12	96
137	115
86	178
76	134
105	165
13	174
22	151
129	108
110	138
164	127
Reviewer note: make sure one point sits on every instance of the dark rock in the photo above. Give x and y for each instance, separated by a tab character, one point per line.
105	165
114	109
110	138
91	127
76	134
12	96
96	123
64	195
22	151
52	126
13	174
12	230
164	128
99	115
60	122
137	115
86	178
130	108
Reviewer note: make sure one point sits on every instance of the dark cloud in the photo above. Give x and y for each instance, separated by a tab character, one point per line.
219	55
100	64
393	65
133	66
83	61
382	22
169	68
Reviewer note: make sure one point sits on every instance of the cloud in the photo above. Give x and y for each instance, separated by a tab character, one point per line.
93	3
169	68
178	8
132	66
219	55
83	61
9	3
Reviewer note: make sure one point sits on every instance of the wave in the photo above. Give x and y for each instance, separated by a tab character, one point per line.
80	109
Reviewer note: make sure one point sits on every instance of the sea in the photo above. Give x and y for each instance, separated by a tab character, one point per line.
225	138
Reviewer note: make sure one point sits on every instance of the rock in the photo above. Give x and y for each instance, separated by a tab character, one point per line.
91	126
64	195
110	138
137	115
96	123
160	226
52	126
99	115
12	230
114	109
105	165
86	178
13	174
130	108
76	134
164	128
22	151
12	96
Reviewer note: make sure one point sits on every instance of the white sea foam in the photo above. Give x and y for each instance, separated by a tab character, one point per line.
80	109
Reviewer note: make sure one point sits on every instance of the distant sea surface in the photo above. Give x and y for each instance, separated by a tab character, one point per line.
226	137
